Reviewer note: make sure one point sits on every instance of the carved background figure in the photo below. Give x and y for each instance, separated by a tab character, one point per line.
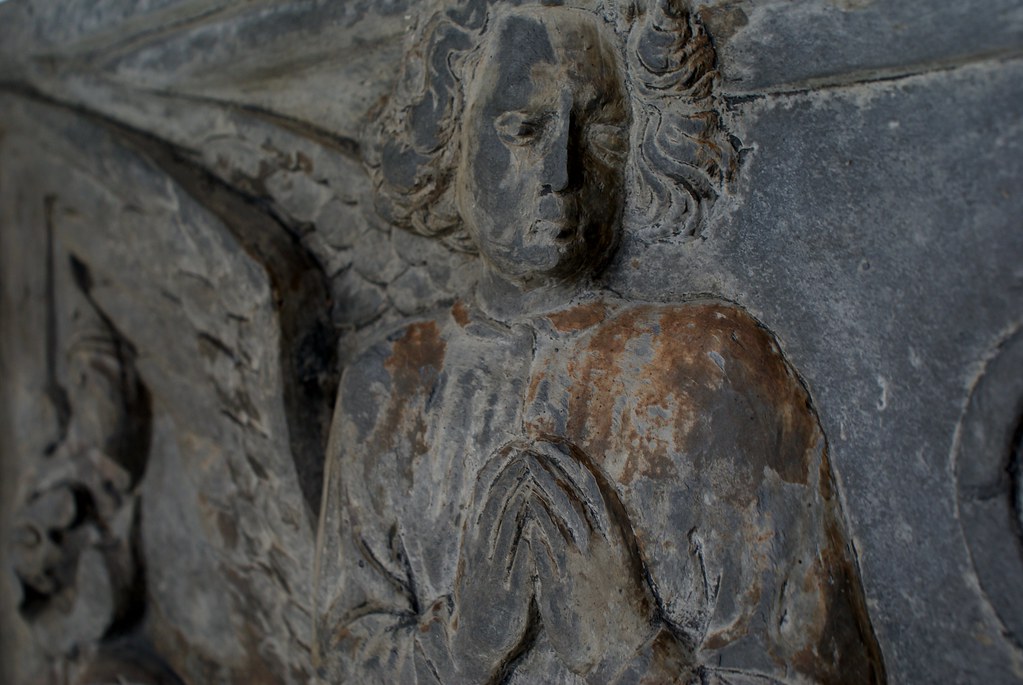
547	483
76	542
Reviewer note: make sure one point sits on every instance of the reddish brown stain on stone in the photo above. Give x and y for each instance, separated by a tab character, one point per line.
827	488
716	641
460	314
783	428
534	387
419	444
839	645
258	670
339	636
418	354
846	628
723	363
701	392
414	364
698	382
598	382
579	317
261	667
303	162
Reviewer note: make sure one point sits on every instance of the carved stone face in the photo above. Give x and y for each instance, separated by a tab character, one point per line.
544	144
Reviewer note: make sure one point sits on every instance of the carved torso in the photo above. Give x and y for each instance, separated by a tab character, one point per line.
688	412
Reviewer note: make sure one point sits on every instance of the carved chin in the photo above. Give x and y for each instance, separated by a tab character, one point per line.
566	263
539	268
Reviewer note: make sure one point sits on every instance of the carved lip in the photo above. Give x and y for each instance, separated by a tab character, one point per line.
557	217
559	229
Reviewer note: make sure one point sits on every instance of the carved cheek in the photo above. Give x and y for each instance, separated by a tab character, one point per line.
483	174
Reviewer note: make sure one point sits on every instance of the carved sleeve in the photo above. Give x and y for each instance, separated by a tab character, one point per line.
367	607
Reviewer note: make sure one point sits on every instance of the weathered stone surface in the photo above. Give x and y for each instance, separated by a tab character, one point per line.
751	411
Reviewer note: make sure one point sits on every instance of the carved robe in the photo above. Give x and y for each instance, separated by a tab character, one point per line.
691	414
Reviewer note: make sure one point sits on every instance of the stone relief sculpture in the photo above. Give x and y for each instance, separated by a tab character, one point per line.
574	260
76	545
545	482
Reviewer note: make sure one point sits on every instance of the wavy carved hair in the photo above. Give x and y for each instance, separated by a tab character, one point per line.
680	159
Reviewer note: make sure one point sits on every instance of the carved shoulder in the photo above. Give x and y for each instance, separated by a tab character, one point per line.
711	439
379	389
682	383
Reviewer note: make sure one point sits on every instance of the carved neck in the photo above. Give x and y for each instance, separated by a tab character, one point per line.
504	300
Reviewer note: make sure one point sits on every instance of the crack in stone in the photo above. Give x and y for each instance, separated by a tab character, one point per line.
869	77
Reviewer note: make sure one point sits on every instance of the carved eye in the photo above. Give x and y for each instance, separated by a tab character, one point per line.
517	128
608	139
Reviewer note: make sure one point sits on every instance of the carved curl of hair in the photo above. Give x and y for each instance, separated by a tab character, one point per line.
681	156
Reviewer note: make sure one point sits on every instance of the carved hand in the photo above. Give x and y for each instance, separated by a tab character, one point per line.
594	600
494	606
550	547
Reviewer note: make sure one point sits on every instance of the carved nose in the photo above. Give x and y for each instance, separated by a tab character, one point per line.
556	162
